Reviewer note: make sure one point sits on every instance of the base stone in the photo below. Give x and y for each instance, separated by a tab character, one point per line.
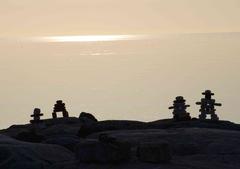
182	117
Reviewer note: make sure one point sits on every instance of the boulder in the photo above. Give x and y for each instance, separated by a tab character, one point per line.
186	148
158	152
60	129
105	138
84	130
29	136
15	154
67	141
90	151
87	116
223	147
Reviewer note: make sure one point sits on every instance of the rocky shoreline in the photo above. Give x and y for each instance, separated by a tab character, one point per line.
84	142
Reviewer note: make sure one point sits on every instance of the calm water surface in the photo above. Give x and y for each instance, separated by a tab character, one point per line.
126	79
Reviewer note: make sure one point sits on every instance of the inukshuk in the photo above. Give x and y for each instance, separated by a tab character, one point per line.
208	106
59	107
36	116
179	109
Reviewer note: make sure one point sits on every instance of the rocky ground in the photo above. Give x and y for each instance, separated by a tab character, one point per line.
85	143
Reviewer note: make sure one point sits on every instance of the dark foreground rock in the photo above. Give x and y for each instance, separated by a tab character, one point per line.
85	130
95	151
154	152
21	155
29	136
194	144
67	141
194	148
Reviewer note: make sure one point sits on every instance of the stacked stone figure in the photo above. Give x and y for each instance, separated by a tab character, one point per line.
179	109
36	116
59	107
208	106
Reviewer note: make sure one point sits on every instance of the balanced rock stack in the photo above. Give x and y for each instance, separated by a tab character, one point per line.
59	107
179	109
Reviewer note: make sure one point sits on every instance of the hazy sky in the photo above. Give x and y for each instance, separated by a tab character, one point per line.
135	79
52	17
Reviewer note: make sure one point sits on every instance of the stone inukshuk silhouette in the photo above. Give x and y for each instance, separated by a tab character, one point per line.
59	107
179	109
208	106
36	116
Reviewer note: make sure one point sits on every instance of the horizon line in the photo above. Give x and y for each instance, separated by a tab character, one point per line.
103	37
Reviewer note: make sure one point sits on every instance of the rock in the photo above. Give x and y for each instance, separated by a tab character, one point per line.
29	136
87	116
194	144
154	152
223	147
68	141
185	148
60	129
15	154
84	131
90	151
105	138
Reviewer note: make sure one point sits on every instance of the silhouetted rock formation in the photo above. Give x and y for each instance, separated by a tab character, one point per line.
59	107
88	116
179	109
208	106
36	116
121	144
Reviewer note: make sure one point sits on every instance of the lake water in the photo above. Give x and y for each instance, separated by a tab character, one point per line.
126	79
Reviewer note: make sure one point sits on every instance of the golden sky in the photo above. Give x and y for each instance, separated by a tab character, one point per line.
52	17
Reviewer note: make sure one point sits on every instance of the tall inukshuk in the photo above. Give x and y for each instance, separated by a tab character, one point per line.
208	106
59	107
179	109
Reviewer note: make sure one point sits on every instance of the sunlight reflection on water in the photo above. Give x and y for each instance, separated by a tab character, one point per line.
88	38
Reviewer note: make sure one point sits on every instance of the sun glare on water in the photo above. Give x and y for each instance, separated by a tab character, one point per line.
87	38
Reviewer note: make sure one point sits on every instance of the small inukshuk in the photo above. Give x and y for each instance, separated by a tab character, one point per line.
179	109
208	106
36	116
59	107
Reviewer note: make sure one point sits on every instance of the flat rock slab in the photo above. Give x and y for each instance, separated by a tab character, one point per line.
94	151
192	148
21	155
154	152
